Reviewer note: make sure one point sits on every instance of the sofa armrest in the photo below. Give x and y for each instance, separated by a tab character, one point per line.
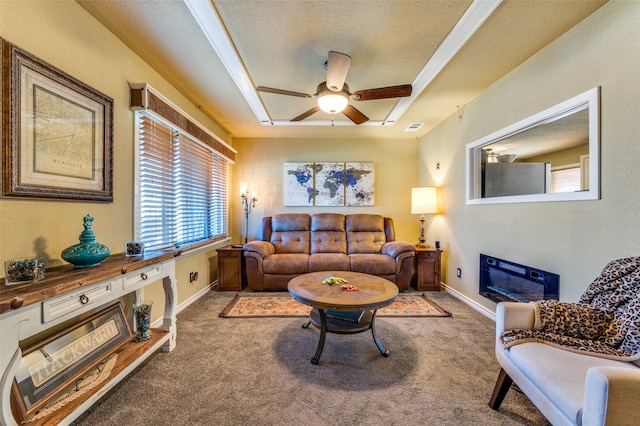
262	248
510	315
611	396
396	248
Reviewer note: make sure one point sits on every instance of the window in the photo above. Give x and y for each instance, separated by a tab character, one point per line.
182	183
565	179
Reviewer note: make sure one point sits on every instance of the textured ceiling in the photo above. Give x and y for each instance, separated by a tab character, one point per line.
284	44
300	34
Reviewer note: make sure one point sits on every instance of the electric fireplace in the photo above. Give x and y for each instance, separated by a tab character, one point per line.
505	281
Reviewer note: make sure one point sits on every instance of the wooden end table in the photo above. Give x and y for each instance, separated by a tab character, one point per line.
373	293
231	268
427	266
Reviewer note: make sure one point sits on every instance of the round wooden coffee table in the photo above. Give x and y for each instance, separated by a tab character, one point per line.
331	302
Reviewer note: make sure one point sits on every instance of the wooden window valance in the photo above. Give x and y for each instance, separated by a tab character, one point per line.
144	97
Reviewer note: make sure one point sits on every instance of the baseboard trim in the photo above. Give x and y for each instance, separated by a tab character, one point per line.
472	303
184	305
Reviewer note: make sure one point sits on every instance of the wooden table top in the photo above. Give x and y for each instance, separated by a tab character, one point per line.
373	292
65	278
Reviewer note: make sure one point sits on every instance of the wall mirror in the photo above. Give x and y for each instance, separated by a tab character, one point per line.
550	156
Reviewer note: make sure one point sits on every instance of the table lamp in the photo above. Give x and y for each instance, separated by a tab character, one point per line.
423	201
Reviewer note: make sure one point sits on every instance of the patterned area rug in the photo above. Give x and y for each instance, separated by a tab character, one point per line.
249	305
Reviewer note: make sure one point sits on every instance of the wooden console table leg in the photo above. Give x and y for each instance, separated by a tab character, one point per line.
6	415
170	308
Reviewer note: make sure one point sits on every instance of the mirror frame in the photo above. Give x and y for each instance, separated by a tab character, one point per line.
589	99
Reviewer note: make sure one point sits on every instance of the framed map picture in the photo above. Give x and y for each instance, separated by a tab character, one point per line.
329	184
60	138
359	179
298	184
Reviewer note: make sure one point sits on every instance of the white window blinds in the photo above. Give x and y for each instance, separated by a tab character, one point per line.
182	188
565	180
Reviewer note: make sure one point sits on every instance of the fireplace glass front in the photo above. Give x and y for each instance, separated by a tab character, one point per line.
505	281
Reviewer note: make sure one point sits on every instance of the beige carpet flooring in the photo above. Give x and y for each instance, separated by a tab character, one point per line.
257	371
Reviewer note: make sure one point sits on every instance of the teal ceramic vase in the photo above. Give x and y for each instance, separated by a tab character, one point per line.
87	253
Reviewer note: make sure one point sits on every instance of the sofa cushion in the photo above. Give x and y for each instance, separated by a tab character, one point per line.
559	374
290	233
328	242
287	263
365	233
374	264
290	222
328	222
328	233
291	242
329	262
365	242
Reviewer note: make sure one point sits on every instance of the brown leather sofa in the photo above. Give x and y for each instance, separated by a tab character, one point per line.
297	243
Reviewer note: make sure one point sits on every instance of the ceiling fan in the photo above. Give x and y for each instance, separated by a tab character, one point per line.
333	95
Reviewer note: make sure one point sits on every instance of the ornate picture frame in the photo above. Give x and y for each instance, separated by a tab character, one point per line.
57	132
52	365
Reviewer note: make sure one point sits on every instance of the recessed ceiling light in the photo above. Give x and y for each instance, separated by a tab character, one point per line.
413	127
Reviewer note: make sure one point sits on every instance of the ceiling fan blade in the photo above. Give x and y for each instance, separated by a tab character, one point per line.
337	68
282	92
306	114
401	91
355	115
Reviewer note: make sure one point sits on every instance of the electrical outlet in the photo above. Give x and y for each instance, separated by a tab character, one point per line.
193	276
459	272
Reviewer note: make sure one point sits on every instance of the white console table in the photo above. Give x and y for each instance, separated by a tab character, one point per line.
66	293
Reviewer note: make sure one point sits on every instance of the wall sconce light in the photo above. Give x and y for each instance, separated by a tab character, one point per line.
423	201
247	204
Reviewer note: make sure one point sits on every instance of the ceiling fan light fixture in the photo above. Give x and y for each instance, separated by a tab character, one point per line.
330	101
333	103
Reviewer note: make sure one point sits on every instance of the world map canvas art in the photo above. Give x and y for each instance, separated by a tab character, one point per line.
359	184
329	184
298	184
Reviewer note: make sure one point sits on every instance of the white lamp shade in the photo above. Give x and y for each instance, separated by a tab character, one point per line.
424	200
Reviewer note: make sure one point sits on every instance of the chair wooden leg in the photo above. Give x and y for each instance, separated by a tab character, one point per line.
500	390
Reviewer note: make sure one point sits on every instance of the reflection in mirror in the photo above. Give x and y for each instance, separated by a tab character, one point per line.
550	156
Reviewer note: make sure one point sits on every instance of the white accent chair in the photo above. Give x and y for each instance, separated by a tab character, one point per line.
569	388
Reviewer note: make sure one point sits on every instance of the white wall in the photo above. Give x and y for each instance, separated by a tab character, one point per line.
573	239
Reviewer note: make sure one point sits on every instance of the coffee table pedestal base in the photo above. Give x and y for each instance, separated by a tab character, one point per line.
318	318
